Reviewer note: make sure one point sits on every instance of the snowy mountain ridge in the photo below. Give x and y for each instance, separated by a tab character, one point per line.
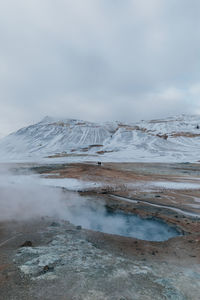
170	139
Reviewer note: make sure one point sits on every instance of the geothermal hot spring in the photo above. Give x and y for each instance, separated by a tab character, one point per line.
23	197
95	216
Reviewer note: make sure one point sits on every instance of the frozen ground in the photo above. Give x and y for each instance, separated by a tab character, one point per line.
71	184
175	185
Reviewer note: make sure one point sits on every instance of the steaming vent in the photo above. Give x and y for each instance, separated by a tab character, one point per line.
25	198
95	216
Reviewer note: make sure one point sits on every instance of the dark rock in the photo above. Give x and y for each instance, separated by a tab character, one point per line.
55	224
79	227
27	244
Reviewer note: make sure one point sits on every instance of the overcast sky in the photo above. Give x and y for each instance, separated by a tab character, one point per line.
98	60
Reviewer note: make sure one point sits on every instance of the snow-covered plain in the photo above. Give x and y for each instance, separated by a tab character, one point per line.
70	184
175	185
174	139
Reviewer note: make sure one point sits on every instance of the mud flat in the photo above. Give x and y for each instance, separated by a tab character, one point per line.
66	261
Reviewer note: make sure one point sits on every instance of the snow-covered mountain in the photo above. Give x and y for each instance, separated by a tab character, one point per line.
170	139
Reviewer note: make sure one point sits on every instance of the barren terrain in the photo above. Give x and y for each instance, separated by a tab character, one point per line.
64	261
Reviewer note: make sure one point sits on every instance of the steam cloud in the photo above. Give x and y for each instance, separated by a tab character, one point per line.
23	197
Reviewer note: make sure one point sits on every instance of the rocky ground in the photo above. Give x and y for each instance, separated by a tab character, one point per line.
47	258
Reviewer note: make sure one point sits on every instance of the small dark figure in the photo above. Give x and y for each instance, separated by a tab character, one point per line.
47	269
197	126
99	163
165	136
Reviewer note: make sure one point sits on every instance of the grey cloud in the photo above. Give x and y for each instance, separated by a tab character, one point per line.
98	60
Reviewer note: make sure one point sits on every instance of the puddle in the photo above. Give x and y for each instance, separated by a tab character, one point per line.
95	217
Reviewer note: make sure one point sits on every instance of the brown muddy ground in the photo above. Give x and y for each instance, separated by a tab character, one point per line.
67	262
133	180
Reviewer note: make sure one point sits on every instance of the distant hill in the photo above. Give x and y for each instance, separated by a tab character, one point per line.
170	139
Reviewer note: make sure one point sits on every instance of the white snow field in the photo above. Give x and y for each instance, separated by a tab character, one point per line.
173	139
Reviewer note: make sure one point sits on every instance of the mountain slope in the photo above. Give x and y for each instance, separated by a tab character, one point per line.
170	139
